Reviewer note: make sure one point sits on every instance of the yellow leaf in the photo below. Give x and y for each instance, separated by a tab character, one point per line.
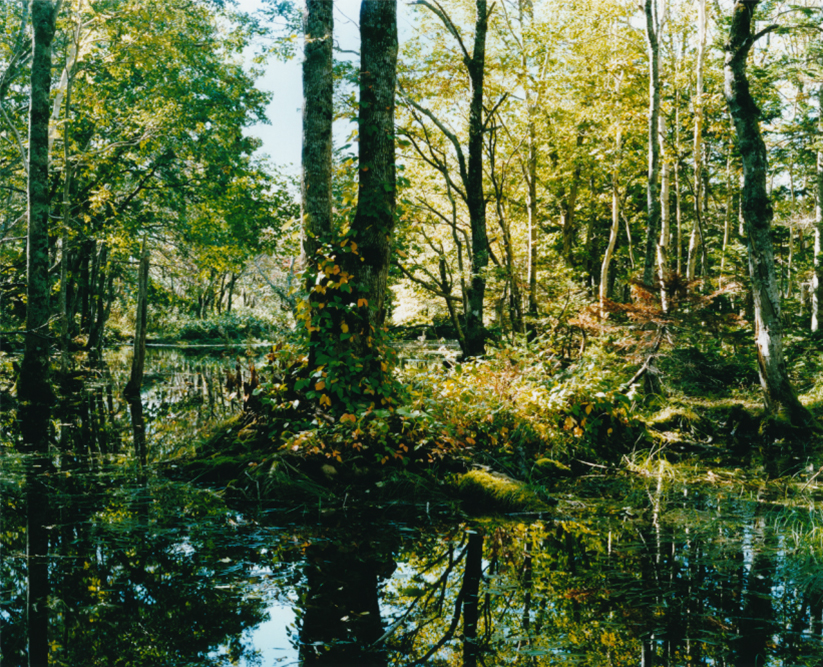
610	431
589	409
325	400
353	246
362	302
348	418
344	327
568	423
320	386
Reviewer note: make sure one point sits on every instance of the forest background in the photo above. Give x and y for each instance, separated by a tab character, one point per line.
580	230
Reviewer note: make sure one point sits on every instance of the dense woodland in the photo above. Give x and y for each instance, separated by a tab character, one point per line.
566	265
612	209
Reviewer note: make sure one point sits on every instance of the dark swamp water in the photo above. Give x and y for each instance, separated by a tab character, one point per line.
145	570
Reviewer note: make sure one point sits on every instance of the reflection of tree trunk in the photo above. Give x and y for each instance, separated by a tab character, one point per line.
341	621
138	426
757	614
37	548
471	587
138	361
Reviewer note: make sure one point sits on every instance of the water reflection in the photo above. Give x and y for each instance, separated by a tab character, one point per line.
139	570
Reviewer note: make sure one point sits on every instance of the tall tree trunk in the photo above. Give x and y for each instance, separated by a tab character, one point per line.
315	187
817	278
652	198
778	392
476	200
696	238
527	15
34	391
318	26
374	220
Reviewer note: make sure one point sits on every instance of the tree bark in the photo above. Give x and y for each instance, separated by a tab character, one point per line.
374	220
652	198
476	200
34	390
817	278
696	238
318	24
607	255
779	395
665	219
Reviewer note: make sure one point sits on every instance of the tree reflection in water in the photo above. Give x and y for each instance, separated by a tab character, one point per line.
144	571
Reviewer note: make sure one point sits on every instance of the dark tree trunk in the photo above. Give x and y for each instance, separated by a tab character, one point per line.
757	211
37	571
34	390
318	24
471	589
374	221
475	199
318	93
652	197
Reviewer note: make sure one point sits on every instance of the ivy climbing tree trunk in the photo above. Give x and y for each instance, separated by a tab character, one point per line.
779	395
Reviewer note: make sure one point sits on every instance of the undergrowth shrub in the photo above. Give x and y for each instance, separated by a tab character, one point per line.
509	410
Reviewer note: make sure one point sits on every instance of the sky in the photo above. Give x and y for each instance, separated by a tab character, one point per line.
282	138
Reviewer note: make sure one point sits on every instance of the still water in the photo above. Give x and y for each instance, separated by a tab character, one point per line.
143	569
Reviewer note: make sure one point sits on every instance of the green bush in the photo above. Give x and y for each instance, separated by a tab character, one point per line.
227	327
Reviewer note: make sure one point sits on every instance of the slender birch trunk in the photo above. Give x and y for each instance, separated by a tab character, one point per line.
817	278
613	233
665	216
